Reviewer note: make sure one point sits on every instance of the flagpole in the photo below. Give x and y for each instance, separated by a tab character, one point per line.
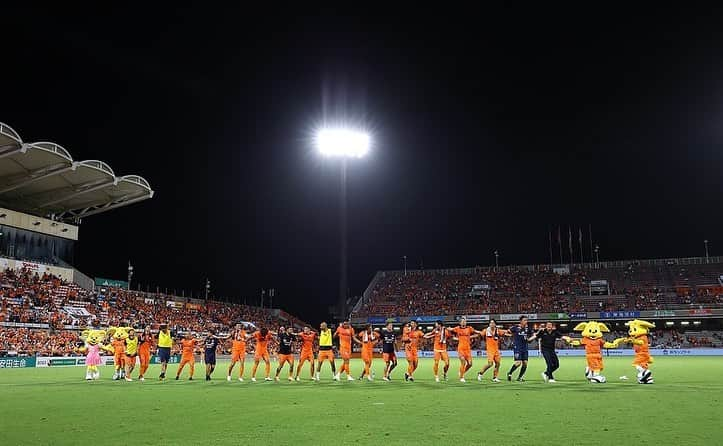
589	227
559	243
579	239
549	236
569	242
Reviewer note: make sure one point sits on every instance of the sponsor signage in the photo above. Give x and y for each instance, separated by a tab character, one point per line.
474	317
382	320
65	361
112	283
545	316
663	313
619	314
516	316
578	315
17	363
700	312
174	359
30	266
149	300
426	318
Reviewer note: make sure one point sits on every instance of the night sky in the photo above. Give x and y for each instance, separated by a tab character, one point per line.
486	132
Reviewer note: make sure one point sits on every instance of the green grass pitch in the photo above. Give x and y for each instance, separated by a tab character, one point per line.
56	406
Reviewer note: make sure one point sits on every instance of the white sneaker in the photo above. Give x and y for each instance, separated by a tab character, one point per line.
385	379
349	378
316	377
228	378
336	377
495	380
291	379
253	379
129	379
241	379
551	381
544	377
141	379
275	379
479	377
298	379
462	380
267	379
88	376
370	379
436	378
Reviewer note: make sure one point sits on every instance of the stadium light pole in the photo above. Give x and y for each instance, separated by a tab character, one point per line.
497	259
706	250
405	265
345	144
597	255
130	274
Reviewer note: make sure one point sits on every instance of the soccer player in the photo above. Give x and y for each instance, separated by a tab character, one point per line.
441	335
238	352
131	352
521	335
307	351
345	332
547	338
367	339
210	345
325	351
286	342
188	349
144	352
492	343
119	348
262	337
464	335
412	335
165	342
389	352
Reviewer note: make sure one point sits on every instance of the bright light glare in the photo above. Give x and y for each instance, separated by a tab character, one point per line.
342	142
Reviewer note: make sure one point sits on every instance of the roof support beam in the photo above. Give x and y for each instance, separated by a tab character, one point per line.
12	149
76	194
38	175
123	201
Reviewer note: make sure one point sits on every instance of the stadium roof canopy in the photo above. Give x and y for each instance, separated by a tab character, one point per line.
41	178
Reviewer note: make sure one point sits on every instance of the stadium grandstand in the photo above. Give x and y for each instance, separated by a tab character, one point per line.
44	300
684	295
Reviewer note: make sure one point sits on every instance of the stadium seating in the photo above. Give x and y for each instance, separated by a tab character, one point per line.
42	314
541	289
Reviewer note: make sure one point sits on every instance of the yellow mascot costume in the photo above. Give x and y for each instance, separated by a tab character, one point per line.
592	339
638	336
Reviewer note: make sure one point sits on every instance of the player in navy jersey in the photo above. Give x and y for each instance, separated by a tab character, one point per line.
210	344
389	340
285	355
521	335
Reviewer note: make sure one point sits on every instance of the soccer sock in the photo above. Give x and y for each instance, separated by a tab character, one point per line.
523	369
512	370
446	368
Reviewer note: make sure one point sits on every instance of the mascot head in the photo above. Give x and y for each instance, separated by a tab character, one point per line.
93	337
637	327
119	333
592	329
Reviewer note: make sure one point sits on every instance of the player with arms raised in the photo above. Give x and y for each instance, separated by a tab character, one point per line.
441	336
464	335
367	339
492	344
411	336
345	333
307	351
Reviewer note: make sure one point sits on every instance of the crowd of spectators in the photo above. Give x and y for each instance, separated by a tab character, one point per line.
527	290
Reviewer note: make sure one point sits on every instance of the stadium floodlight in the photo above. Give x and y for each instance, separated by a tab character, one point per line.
342	142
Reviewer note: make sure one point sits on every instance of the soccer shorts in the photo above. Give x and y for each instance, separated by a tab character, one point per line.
493	356
237	355
465	354
187	360
326	354
164	354
130	360
144	357
521	356
306	356
595	361
261	355
440	354
411	355
209	358
285	358
367	356
118	358
389	356
345	353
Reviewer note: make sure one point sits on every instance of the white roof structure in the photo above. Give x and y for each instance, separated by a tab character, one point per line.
41	178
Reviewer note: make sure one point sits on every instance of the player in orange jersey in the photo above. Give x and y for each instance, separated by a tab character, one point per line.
367	339
261	352
144	351
238	351
188	349
119	349
441	336
307	351
411	336
464	334
345	333
492	343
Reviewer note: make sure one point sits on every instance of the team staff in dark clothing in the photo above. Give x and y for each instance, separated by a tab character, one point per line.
547	338
389	340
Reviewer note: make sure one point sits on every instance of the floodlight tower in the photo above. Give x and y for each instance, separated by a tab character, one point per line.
344	144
